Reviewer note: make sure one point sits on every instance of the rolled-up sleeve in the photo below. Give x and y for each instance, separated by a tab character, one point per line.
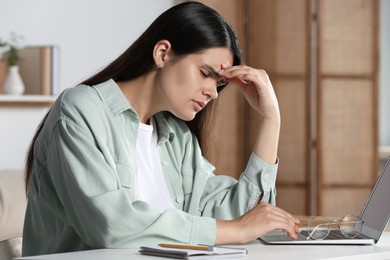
226	198
261	173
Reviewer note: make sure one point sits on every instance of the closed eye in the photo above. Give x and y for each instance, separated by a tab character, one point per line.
204	73
221	84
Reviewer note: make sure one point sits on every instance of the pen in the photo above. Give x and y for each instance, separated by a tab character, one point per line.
192	247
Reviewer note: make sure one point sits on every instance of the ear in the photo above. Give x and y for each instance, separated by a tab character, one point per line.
161	53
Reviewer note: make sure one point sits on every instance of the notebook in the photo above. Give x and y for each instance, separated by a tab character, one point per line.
181	253
375	215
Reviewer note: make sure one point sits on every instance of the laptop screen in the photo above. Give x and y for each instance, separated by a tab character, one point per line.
376	212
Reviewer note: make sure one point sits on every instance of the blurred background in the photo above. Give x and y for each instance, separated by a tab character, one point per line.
329	62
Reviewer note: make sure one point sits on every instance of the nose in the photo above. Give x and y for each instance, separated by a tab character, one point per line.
211	91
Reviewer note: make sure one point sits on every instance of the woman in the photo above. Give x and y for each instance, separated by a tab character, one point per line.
116	163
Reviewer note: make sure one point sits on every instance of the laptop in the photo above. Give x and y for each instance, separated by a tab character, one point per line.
375	216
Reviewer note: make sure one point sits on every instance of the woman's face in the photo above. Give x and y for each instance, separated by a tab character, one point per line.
188	83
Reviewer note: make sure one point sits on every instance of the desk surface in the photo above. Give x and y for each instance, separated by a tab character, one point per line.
256	250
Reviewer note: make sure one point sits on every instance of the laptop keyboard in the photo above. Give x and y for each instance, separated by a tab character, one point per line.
336	234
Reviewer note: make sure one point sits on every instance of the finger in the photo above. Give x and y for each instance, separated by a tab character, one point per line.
242	71
239	82
286	225
235	71
280	219
247	76
226	68
297	229
286	222
224	65
291	228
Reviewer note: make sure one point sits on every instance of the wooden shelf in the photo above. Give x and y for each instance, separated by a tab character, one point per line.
26	100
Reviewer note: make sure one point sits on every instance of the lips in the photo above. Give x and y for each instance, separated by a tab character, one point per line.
199	105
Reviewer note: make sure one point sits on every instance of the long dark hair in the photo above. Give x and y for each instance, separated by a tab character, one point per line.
190	27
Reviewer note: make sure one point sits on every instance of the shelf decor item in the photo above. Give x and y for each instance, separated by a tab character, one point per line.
13	83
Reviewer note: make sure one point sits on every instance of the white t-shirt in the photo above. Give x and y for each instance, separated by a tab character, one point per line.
151	182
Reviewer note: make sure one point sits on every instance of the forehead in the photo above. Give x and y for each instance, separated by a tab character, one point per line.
213	57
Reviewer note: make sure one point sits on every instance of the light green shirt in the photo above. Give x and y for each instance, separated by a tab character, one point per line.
83	192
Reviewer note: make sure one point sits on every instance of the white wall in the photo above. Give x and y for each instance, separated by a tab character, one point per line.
384	79
90	34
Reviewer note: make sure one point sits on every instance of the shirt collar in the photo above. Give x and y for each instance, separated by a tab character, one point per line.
165	131
111	95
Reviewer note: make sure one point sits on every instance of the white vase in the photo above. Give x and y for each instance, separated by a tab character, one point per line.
13	84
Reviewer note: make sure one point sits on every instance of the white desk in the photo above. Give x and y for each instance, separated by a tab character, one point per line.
256	250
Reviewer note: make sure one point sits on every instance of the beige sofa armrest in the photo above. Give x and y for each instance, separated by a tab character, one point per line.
11	248
13	203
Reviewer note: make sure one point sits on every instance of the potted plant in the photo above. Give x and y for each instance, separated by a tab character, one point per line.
10	53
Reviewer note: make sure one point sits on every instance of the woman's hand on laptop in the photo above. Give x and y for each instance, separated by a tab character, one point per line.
258	221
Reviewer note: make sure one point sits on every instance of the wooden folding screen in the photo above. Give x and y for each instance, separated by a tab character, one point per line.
347	104
321	56
278	43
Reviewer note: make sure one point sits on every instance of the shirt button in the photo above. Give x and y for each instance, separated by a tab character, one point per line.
179	199
164	163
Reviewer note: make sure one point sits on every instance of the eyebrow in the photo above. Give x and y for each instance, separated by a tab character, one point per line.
212	70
